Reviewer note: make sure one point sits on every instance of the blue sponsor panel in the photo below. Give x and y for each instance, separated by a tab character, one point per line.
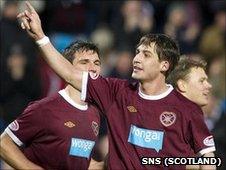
146	138
81	147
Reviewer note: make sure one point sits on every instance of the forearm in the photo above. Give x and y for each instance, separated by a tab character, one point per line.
32	23
61	66
96	165
11	154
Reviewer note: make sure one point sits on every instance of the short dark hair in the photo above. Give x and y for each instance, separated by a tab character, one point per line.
183	68
78	46
166	48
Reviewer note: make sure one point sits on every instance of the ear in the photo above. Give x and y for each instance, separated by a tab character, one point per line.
182	86
165	66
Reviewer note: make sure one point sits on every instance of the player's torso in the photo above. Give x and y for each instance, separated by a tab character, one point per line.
146	128
69	136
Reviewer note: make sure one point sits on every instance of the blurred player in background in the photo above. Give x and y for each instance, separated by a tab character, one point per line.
190	79
57	132
145	119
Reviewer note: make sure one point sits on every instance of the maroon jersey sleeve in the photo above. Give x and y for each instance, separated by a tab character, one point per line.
27	126
202	140
100	91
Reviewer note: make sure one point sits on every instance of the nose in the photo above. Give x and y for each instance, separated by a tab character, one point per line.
137	58
208	85
92	68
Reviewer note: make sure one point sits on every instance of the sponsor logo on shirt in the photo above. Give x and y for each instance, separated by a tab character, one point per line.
69	124
14	125
132	109
208	141
146	138
81	147
167	118
95	127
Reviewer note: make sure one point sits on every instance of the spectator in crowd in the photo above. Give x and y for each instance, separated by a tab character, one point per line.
183	23
136	19
21	85
212	42
122	67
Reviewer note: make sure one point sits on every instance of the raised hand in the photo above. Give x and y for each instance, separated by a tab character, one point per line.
31	22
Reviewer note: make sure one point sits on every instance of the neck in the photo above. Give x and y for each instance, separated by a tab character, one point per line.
155	87
74	95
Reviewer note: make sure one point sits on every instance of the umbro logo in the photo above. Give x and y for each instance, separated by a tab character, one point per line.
69	124
132	109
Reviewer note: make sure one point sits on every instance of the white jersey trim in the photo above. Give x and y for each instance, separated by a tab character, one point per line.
64	94
84	85
13	137
156	97
206	150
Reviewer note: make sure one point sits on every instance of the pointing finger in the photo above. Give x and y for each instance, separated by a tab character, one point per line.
30	7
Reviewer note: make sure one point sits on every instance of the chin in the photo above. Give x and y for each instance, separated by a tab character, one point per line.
135	76
203	104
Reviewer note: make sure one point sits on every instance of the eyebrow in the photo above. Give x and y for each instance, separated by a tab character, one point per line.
87	60
147	51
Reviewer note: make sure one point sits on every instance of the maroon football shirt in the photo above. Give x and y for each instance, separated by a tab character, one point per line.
56	132
165	125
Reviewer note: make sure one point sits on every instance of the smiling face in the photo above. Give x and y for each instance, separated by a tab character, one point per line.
196	86
87	61
146	64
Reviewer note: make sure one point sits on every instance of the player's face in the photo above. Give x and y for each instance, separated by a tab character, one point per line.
146	64
87	61
197	87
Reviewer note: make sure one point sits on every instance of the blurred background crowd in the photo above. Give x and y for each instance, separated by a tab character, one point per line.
115	26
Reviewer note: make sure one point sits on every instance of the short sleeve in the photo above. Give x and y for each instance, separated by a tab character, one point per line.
202	139
100	91
26	127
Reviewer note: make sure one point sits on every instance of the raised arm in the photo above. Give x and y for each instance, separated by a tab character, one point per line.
11	154
31	22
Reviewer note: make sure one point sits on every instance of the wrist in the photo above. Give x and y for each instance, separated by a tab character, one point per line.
39	36
43	41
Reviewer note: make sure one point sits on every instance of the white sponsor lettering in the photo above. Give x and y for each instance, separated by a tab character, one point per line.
146	135
85	145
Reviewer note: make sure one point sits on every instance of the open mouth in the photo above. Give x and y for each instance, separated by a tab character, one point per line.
135	68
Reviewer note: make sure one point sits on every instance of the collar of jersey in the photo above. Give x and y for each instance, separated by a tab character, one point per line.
156	97
64	94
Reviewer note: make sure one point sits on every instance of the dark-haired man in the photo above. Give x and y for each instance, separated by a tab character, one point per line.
57	132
